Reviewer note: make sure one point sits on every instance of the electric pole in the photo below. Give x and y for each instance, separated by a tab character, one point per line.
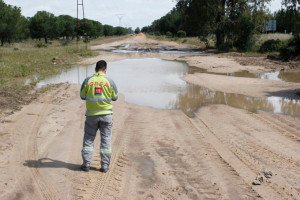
77	23
120	17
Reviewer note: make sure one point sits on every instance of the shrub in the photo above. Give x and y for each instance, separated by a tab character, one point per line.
157	33
291	49
270	46
184	41
40	45
175	39
181	34
169	34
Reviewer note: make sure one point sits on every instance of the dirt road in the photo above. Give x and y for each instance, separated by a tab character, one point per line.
157	154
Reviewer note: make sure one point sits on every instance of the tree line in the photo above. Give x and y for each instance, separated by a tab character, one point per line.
45	25
233	23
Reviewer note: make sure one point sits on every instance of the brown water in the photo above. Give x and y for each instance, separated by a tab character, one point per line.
276	75
157	83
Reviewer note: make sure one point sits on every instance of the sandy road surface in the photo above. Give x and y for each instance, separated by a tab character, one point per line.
157	154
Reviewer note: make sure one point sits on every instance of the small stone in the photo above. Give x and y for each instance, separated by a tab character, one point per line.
260	178
268	174
256	182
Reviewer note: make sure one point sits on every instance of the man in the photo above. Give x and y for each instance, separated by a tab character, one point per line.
98	91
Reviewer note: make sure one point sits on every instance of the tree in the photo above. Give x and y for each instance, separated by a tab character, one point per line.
44	25
137	30
223	19
288	20
98	29
291	3
108	30
259	14
69	26
171	22
120	31
12	24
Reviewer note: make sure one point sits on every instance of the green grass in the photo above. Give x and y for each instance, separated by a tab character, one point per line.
33	60
22	61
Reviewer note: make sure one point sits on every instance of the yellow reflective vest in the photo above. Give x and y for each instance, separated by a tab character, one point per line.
98	91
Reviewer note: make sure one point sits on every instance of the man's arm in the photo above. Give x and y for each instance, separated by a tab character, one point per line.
83	89
114	93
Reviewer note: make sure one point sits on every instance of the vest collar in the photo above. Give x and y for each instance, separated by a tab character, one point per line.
99	74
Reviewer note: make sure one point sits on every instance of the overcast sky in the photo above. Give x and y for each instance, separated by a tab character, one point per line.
134	13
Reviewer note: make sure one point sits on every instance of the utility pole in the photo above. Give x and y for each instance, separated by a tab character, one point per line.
120	17
77	24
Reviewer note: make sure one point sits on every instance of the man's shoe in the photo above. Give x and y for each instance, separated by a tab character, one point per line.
84	168
104	170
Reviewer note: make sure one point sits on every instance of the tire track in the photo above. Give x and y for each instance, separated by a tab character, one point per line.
32	154
286	131
238	165
118	160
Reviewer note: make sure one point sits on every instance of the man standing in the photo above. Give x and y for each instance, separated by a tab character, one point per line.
98	91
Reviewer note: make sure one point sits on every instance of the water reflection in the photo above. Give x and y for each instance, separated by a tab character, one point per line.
277	75
289	76
194	97
157	83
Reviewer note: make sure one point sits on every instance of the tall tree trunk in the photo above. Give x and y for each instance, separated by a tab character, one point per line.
46	40
220	20
2	42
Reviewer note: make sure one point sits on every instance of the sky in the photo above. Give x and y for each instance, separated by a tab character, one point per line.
133	13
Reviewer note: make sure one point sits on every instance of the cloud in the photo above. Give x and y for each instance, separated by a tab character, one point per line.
136	13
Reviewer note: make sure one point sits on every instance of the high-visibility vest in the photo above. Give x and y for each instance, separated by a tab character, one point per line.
98	91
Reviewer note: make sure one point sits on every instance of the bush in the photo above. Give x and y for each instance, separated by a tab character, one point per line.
181	34
40	45
291	49
157	33
175	39
270	46
169	34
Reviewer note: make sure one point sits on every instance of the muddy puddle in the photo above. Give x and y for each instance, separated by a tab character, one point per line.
157	83
145	50
128	48
276	75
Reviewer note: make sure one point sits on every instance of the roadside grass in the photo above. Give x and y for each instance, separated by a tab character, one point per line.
274	36
25	61
186	40
261	38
